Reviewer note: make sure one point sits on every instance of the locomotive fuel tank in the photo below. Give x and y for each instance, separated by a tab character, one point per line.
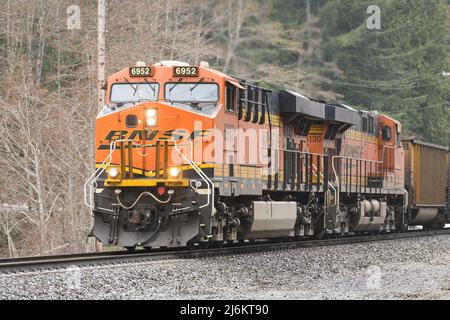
368	216
271	219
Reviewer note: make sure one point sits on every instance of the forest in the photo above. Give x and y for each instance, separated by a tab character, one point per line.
320	48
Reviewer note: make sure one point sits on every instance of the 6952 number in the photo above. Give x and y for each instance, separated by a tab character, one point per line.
140	72
185	72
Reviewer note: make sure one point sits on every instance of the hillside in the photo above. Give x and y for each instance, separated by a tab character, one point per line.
325	50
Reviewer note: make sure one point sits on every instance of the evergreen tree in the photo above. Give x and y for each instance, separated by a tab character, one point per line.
397	70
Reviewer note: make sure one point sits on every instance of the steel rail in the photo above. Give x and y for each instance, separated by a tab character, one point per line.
46	263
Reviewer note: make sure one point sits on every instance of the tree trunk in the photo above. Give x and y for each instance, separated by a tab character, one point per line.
232	38
199	35
101	60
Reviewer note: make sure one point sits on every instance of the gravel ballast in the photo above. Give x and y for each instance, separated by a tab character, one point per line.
395	269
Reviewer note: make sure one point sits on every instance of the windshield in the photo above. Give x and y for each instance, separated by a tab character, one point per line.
192	92
134	92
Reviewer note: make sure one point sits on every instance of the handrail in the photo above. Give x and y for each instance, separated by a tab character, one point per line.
336	176
202	175
329	184
91	182
297	151
92	179
314	166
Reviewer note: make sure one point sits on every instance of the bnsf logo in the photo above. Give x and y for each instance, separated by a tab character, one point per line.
150	135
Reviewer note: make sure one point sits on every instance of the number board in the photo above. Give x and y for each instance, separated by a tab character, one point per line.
185	71
140	72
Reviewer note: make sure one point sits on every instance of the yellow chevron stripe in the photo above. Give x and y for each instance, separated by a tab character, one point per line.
147	183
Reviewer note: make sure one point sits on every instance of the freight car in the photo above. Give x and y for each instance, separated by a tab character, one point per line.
426	180
187	155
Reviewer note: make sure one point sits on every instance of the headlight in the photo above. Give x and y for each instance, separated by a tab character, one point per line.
151	122
151	117
113	173
151	113
174	172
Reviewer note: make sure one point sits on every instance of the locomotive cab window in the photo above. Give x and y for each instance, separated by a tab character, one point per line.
365	124
122	93
397	135
386	133
198	97
371	126
128	94
231	97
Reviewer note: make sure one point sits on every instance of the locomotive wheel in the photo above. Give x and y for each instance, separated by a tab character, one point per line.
131	249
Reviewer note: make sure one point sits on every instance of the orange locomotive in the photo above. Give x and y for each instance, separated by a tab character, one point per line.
186	155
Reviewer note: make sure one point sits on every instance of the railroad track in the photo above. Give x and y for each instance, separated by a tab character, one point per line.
44	263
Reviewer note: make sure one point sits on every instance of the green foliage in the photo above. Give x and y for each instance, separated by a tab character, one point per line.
293	12
398	69
267	53
342	16
68	60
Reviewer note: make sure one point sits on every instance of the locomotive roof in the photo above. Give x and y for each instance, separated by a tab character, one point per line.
293	102
170	64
